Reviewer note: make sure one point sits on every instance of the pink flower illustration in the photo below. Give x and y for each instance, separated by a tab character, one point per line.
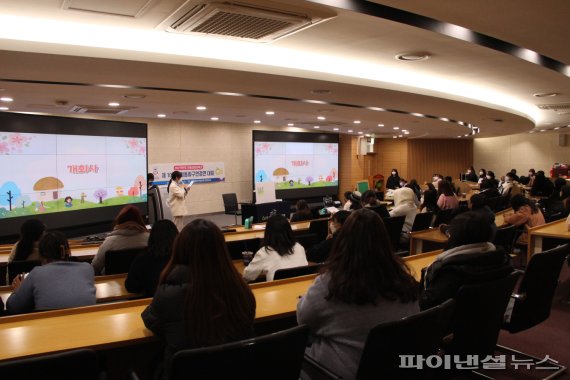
4	148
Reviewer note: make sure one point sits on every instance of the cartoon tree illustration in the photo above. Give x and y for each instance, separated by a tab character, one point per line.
100	193
309	179
260	176
23	200
8	192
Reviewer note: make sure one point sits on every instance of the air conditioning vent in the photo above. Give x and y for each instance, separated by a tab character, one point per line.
246	22
100	109
554	107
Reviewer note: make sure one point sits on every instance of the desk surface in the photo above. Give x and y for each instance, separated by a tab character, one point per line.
120	324
557	229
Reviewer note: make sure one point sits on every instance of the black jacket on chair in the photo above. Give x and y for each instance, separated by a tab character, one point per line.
468	265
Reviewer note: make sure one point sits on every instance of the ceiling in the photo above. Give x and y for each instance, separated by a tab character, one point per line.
55	57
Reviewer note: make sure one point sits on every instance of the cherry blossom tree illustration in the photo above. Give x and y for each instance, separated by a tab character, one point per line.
309	179
100	193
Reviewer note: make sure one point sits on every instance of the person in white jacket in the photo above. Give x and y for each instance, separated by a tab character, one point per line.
177	198
404	204
279	250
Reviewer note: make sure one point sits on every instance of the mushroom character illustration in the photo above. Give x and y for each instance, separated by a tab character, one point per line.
48	188
280	172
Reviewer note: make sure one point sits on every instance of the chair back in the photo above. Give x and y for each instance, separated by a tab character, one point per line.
155	210
479	316
70	365
418	334
303	270
556	216
230	203
422	221
381	210
394	227
320	228
536	291
276	356
444	217
120	260
505	237
21	266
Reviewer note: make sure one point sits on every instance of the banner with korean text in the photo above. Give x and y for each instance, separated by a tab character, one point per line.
201	172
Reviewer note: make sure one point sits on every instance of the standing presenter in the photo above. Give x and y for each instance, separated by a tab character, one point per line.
177	198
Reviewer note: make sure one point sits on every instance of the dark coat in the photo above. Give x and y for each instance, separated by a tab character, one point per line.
393	182
444	277
144	274
320	252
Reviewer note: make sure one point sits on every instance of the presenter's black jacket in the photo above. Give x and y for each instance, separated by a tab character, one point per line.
393	182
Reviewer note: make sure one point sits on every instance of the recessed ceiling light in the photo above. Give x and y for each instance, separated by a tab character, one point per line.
380	125
400	136
394	137
350	131
335	129
214	118
367	135
134	96
356	121
406	133
531	132
359	132
545	94
557	128
458	137
543	130
466	135
396	128
316	127
321	118
161	115
114	104
412	56
290	125
4	108
201	108
6	99
270	113
257	121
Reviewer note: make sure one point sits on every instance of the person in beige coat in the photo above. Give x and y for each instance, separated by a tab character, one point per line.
177	198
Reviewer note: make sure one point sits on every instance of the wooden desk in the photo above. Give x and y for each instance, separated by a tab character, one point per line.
84	252
420	261
108	288
433	235
536	235
119	324
500	217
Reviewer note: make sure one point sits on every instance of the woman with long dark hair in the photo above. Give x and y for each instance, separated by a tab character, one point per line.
279	250
26	248
303	212
146	268
129	231
362	285
446	196
201	299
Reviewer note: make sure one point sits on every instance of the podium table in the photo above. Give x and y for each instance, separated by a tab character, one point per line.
261	211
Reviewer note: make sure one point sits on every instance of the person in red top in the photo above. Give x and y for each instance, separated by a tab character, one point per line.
527	213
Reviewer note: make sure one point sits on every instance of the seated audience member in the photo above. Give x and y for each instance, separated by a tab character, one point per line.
415	186
26	248
492	180
470	175
57	284
321	251
514	175
554	203
403	182
404	205
437	178
470	258
278	250
450	180
303	212
525	213
363	284
488	189
531	177
393	181
446	197
541	186
201	299
352	200
146	268
478	206
129	231
429	203
507	185
369	199
565	195
482	175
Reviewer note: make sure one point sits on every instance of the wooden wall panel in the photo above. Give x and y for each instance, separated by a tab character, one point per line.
444	156
390	154
353	167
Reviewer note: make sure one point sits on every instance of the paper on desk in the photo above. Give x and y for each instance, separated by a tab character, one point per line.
259	226
332	210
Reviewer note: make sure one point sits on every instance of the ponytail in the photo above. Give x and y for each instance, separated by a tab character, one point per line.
168	187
